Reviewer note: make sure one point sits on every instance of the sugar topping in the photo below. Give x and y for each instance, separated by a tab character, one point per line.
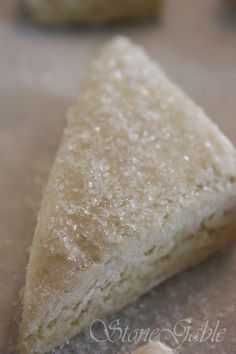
135	149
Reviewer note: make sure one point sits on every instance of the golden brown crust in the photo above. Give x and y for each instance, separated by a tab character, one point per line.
91	11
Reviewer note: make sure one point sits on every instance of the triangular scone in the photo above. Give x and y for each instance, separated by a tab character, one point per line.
154	348
143	186
91	11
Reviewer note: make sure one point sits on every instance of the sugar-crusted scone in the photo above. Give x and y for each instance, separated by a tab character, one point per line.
143	186
91	11
154	348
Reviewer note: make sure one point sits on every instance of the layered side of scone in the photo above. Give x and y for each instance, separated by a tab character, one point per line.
143	186
91	11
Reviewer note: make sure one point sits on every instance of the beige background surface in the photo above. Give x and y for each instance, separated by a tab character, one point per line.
41	71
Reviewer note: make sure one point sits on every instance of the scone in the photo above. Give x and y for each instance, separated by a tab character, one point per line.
91	11
154	348
143	186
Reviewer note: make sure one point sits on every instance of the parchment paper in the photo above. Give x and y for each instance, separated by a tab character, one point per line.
41	71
